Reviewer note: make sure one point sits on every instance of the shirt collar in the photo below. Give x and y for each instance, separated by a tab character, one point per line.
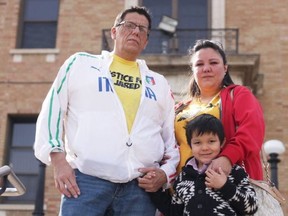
194	164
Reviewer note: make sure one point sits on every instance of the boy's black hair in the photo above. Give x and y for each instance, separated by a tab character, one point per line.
204	123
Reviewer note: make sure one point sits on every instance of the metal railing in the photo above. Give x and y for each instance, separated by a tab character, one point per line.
7	175
179	42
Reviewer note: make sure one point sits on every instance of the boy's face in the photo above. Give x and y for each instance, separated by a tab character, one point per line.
205	147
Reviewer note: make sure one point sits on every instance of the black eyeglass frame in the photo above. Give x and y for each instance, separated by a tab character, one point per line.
132	26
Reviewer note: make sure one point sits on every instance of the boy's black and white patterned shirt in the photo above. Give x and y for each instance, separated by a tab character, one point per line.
192	197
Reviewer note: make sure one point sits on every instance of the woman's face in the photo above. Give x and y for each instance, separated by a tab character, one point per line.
208	69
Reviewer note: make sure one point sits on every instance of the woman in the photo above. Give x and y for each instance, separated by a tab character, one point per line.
211	90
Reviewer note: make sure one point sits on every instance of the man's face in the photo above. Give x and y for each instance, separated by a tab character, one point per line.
130	36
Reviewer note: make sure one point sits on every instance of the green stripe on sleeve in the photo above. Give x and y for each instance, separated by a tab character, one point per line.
58	128
64	78
49	119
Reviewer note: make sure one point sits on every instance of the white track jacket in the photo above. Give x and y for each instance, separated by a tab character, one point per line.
83	109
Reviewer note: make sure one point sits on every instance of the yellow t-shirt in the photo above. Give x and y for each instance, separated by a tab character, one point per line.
127	83
194	109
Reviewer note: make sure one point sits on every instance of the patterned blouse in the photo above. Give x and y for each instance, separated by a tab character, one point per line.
192	109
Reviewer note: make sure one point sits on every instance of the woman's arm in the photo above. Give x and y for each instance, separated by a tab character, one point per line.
244	126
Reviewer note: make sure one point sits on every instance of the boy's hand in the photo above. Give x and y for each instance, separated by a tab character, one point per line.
214	179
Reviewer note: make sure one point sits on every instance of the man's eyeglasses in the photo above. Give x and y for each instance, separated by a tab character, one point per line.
131	26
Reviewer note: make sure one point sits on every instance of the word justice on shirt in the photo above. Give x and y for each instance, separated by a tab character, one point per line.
126	81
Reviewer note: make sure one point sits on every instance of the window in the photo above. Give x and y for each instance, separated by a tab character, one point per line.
20	157
192	17
38	26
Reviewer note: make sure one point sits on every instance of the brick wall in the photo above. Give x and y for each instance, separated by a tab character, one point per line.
23	85
264	30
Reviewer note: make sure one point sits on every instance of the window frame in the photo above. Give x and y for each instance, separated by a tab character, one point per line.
21	27
9	148
162	42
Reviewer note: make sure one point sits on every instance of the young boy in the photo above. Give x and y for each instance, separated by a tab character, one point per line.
201	191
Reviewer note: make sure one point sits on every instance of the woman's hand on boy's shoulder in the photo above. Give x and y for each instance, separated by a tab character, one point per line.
222	162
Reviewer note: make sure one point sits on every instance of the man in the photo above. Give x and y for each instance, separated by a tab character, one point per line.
118	120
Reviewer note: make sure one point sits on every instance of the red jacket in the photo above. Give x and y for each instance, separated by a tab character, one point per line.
246	141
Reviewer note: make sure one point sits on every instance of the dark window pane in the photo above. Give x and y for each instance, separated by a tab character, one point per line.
158	43
21	130
158	40
23	161
157	10
39	35
41	10
39	24
193	14
30	183
194	18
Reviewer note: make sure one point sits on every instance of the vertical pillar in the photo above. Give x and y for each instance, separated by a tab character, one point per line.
39	200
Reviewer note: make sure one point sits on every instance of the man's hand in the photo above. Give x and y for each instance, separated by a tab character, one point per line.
214	179
222	162
164	159
64	176
152	180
